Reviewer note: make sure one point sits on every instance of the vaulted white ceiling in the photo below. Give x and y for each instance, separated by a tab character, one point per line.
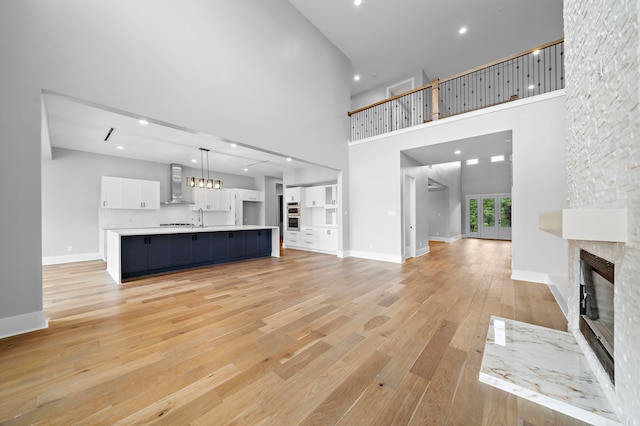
388	40
385	40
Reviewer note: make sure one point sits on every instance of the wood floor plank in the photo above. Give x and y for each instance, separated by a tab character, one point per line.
307	338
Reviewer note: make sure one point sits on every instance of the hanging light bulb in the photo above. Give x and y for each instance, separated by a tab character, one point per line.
191	182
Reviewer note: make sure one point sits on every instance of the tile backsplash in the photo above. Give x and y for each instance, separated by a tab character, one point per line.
183	213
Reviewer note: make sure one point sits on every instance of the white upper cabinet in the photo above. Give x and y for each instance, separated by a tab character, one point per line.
111	193
295	194
212	199
123	193
141	194
331	195
314	196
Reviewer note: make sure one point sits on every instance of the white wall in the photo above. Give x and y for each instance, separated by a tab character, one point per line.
449	174
379	93
539	175
252	71
486	177
438	214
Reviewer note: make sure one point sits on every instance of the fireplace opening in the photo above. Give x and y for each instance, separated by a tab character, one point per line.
596	308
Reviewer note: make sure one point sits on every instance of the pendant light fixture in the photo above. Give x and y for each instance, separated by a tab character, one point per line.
202	182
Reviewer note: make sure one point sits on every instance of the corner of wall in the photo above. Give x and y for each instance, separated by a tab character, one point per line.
23	323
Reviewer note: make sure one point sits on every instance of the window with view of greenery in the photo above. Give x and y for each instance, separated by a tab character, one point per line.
505	212
473	215
489	212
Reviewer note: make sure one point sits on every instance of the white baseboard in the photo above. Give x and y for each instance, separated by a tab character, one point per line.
376	256
554	282
82	257
534	277
422	251
446	240
24	323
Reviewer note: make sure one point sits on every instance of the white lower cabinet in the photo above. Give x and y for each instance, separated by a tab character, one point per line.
313	238
292	238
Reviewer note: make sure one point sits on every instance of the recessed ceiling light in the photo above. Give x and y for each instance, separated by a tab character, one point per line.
356	77
458	152
246	170
462	30
497	158
472	161
357	2
531	87
535	52
233	145
193	160
143	122
288	158
119	147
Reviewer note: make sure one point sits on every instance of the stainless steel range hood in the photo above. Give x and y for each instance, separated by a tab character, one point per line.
175	185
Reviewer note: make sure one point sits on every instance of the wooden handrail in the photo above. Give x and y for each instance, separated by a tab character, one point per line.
390	99
508	58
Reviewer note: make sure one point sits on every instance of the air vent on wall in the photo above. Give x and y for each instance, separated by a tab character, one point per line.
110	133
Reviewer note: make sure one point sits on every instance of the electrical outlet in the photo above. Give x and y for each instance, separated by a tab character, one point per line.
69	248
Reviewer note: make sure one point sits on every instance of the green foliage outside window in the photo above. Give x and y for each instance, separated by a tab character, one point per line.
489	212
505	212
473	215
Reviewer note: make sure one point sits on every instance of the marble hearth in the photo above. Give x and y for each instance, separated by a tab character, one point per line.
545	366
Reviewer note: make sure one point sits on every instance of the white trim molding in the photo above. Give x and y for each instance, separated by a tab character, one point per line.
446	240
24	323
531	276
82	257
554	281
422	251
376	256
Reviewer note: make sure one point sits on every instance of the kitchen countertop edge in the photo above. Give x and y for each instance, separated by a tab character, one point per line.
186	229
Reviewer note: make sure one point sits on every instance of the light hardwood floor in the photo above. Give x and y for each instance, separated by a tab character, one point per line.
304	339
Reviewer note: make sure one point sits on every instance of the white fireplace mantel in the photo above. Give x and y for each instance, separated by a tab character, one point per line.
586	224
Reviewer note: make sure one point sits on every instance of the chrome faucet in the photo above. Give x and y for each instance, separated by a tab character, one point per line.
201	217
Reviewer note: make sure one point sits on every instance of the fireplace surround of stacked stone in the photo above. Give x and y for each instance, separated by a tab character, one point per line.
596	321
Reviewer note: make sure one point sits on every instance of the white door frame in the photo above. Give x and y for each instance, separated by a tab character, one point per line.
409	216
490	234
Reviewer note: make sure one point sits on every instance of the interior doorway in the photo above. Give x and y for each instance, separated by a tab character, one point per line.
489	216
409	216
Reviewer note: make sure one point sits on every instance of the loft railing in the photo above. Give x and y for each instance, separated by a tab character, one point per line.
526	74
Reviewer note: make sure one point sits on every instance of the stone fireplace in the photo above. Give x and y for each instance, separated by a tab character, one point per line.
596	321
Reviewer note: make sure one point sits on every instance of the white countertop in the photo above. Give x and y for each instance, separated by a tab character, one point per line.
186	229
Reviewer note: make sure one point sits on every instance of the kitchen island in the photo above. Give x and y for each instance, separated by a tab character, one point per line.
145	251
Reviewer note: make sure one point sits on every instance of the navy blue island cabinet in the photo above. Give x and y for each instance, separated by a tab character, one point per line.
153	254
146	253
